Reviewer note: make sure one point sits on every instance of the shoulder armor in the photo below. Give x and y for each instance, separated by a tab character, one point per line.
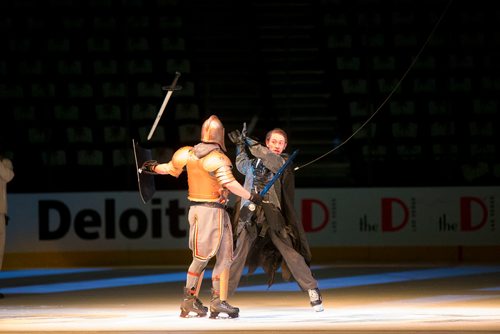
215	160
180	157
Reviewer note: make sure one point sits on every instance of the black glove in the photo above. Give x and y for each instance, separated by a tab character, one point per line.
236	137
149	167
256	198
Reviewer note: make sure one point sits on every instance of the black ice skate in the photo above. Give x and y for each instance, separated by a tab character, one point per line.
217	306
316	300
191	306
221	306
200	305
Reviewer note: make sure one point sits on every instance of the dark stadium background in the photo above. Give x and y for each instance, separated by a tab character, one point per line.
81	79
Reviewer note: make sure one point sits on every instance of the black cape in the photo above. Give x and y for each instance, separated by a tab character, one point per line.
263	253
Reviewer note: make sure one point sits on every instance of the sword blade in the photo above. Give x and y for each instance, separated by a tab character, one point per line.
247	211
278	173
164	105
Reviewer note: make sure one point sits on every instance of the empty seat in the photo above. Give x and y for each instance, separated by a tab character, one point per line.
38	135
442	128
108	112
27	67
173	43
24	113
348	63
114	89
485	106
54	158
80	89
140	66
178	65
409	152
481	128
138	44
404	129
60	45
189	133
402	107
115	134
144	112
69	67
384	63
187	111
122	157
91	157
105	66
80	134
104	23
66	113
460	85
339	41
162	154
355	86
99	44
43	90
149	89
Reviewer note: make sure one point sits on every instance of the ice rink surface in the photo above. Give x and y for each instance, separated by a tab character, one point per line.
357	299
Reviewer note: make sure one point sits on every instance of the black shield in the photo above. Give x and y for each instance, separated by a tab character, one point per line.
145	181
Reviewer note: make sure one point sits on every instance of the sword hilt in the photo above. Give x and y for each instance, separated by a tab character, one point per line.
252	206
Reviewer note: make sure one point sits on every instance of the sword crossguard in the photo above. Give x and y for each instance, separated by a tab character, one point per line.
170	88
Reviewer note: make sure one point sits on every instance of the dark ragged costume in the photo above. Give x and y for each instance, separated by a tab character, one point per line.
275	237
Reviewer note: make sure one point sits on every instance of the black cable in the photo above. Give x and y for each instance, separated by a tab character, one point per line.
390	94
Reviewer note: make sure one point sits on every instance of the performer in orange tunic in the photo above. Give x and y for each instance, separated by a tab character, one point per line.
210	180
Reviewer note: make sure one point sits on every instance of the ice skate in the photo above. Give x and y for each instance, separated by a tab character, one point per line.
200	305
221	306
217	306
191	306
316	300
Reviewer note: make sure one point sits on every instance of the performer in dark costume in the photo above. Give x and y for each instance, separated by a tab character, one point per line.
274	237
210	234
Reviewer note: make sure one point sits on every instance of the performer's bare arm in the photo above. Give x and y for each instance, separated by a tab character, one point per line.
6	170
175	166
236	188
167	168
221	166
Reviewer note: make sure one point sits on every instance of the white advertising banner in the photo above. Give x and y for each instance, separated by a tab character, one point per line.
119	221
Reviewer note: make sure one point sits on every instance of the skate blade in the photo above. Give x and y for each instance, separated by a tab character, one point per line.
192	315
218	315
318	308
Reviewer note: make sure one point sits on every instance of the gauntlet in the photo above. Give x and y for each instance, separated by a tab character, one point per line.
149	167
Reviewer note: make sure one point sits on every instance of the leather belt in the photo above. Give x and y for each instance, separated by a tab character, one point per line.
209	204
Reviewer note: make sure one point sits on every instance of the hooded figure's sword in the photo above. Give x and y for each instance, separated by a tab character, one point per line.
247	211
278	173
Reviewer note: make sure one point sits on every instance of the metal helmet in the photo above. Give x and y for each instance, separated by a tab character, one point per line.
212	131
